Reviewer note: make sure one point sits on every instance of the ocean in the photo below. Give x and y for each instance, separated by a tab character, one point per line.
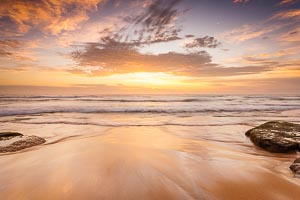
145	146
174	106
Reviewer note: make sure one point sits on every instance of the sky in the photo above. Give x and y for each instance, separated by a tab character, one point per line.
150	46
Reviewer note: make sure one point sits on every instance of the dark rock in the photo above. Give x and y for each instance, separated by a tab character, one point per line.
295	167
276	136
22	143
9	135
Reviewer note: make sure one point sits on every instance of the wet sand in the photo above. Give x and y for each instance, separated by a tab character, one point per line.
148	163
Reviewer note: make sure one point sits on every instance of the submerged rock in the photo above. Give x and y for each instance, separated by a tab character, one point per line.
276	136
12	141
295	167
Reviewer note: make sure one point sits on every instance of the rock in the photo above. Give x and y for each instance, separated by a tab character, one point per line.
276	136
295	167
12	141
9	135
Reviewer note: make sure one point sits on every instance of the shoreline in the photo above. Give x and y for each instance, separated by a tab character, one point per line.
152	163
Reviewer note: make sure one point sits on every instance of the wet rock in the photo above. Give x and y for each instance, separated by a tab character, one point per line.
9	135
12	141
276	136
295	167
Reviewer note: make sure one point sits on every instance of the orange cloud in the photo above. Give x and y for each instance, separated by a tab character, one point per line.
284	2
6	46
102	59
12	51
248	32
50	16
263	57
287	14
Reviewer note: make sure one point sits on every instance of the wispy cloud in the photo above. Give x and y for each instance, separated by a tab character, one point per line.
282	2
287	2
248	32
7	47
275	23
154	24
240	1
206	41
293	14
291	36
49	16
265	57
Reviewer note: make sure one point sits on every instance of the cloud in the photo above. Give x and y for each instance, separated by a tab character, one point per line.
7	47
292	14
154	24
18	17
287	2
275	56
292	36
4	53
248	32
158	14
112	57
118	50
12	51
279	22
9	44
282	2
189	36
206	41
140	37
240	1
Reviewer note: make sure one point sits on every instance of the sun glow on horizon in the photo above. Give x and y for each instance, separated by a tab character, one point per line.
176	47
155	79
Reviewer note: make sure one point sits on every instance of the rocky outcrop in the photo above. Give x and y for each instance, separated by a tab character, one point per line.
295	167
276	136
13	141
9	135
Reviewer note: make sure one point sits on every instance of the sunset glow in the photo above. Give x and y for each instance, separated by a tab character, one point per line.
169	46
149	99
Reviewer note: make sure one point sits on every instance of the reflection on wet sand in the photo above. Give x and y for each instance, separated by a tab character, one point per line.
145	163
